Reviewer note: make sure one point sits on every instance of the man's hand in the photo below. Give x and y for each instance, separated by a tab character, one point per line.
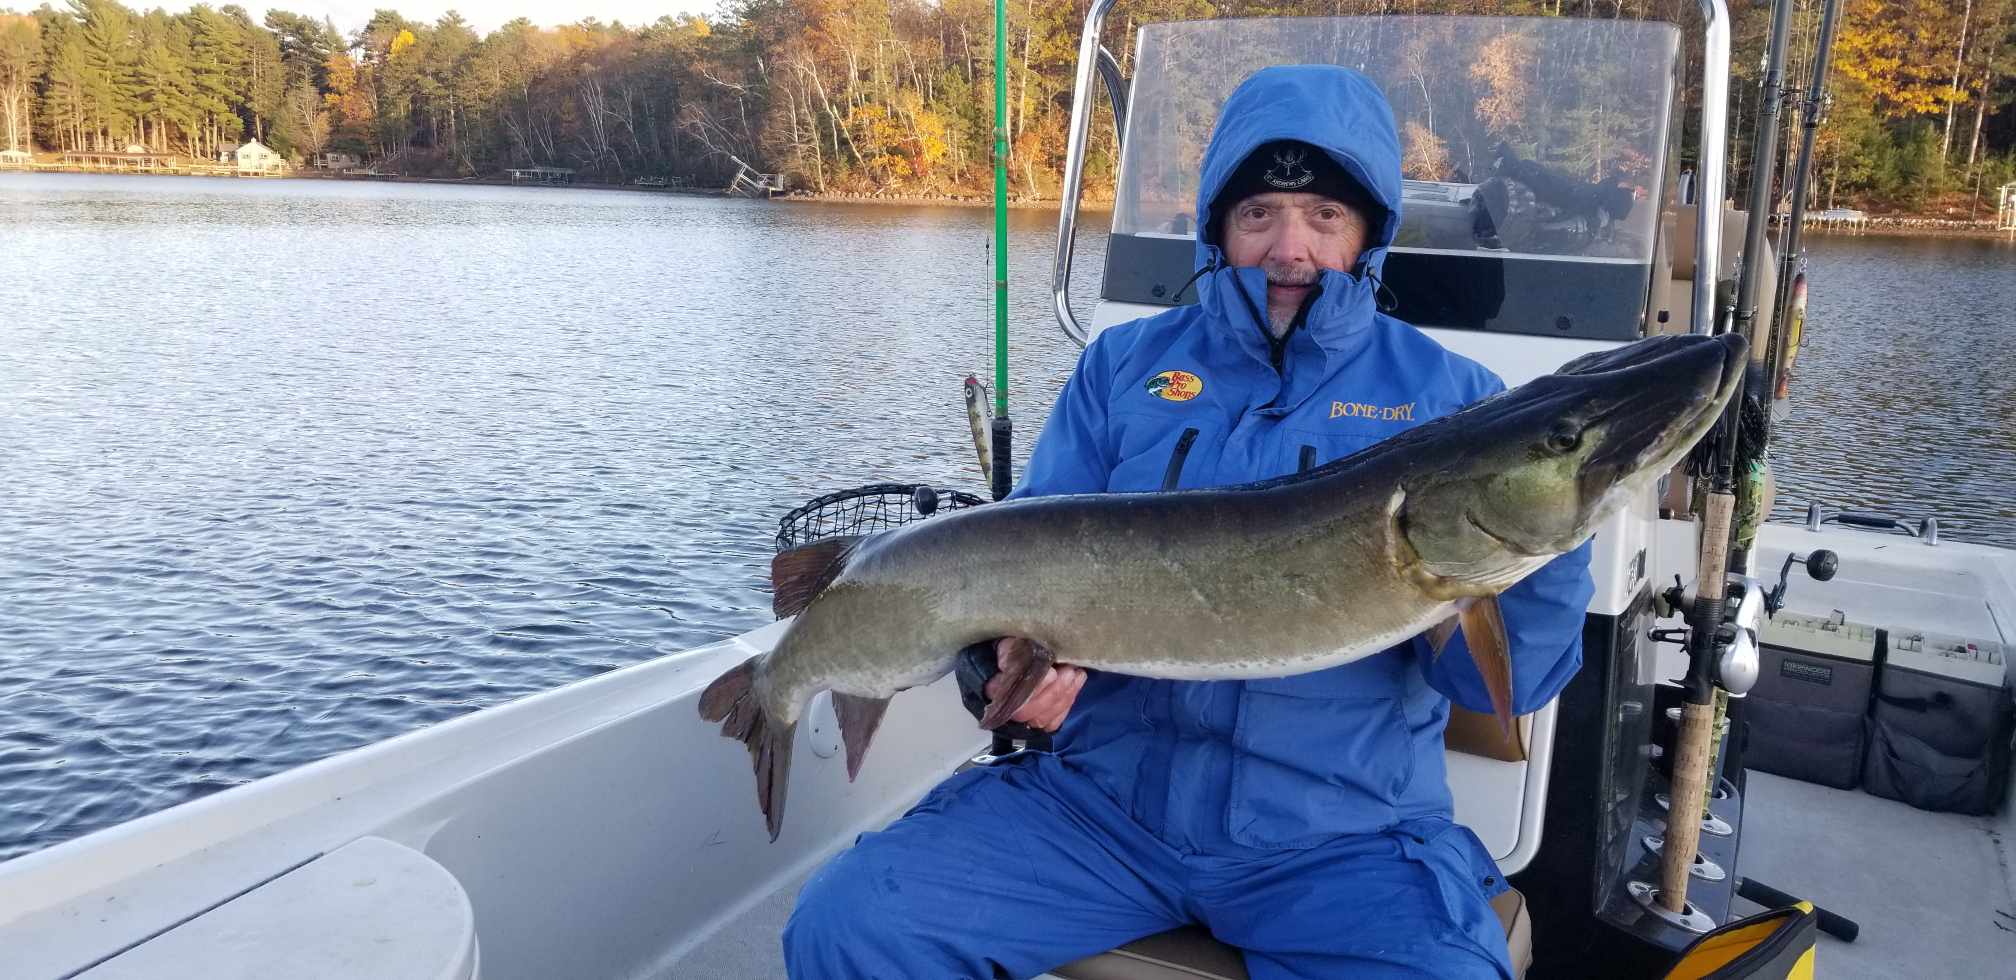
1054	694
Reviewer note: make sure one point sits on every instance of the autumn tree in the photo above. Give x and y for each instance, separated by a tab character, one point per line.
20	65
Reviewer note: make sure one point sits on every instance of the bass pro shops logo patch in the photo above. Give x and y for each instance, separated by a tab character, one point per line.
1176	386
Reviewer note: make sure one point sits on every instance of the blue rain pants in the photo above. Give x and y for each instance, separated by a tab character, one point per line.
1013	869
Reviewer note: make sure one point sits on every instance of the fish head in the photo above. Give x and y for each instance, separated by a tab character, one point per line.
1531	473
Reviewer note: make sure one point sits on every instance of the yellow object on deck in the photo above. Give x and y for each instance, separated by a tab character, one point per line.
1774	944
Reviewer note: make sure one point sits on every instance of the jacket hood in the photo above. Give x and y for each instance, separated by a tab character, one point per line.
1334	109
1346	116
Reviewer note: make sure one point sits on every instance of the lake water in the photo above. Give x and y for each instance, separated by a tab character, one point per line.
287	467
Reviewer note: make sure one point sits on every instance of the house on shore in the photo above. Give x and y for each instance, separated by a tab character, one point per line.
256	159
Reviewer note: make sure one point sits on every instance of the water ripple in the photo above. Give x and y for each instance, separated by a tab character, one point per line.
386	454
1905	394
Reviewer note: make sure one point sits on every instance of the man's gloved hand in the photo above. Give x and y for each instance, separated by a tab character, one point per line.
996	663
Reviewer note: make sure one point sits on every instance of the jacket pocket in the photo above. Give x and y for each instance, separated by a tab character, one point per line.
1318	755
1163	453
1173	474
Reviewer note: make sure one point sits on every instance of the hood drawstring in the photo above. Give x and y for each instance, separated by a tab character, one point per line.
1209	267
1382	297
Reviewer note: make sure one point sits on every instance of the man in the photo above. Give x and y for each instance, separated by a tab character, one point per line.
1307	819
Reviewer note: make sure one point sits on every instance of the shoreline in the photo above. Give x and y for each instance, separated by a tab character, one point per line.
946	201
1905	231
1890	226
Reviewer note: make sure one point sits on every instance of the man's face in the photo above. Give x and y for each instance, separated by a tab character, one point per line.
1294	236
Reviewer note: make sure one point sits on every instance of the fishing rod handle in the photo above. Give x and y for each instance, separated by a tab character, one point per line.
1004	456
1689	795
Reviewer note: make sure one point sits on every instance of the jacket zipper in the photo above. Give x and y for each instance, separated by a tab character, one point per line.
1175	470
1308	459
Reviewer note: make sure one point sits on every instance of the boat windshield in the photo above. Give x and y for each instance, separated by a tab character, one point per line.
1542	136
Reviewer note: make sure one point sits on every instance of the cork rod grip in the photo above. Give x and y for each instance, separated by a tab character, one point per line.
1683	818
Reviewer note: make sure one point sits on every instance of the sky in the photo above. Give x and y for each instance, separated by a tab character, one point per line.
484	15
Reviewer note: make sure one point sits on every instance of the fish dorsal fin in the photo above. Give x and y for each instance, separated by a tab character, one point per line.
798	576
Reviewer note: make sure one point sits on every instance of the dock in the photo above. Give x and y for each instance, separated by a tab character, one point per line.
551	176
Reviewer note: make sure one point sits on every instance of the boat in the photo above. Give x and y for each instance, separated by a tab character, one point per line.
601	829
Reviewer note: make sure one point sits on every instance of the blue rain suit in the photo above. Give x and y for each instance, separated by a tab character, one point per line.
1306	819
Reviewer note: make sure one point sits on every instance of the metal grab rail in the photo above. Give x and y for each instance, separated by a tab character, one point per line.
1926	530
1709	169
1074	170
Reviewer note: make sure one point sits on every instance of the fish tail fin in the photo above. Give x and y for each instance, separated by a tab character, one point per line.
859	717
732	701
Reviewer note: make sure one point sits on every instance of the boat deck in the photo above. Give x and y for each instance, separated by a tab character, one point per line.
1932	891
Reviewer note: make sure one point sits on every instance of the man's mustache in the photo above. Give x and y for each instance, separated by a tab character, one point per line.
1292	275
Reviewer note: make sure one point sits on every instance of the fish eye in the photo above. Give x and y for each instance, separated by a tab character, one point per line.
1565	438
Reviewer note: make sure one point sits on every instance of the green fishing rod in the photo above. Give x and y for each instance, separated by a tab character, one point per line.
1004	430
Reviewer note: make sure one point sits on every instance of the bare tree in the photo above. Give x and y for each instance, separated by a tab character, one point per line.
310	119
20	61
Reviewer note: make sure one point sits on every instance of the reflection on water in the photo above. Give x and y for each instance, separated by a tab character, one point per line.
1906	385
295	466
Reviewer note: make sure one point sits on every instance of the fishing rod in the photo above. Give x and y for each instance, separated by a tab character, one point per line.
1709	640
1792	255
1004	429
1721	653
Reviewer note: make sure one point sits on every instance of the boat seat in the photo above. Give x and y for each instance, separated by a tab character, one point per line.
1190	953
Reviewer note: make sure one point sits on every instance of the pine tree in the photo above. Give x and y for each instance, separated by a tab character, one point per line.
305	47
110	62
65	102
215	63
166	93
266	91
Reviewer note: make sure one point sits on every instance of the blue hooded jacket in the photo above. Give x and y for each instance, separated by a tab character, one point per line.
1192	398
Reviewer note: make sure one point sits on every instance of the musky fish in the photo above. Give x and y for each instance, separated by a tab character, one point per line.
1287	576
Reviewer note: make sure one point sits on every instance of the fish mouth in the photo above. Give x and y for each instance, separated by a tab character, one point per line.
1665	400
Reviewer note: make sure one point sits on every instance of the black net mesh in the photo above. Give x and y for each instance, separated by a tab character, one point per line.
865	510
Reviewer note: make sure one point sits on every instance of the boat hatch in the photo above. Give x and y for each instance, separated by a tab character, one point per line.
371	908
1535	154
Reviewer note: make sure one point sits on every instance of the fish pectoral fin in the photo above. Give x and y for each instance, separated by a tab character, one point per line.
1490	649
1021	684
798	576
1441	633
859	717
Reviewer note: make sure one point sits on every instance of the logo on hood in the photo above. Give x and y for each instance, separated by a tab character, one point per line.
1176	386
1288	172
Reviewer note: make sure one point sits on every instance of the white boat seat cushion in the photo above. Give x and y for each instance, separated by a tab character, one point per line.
1191	954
